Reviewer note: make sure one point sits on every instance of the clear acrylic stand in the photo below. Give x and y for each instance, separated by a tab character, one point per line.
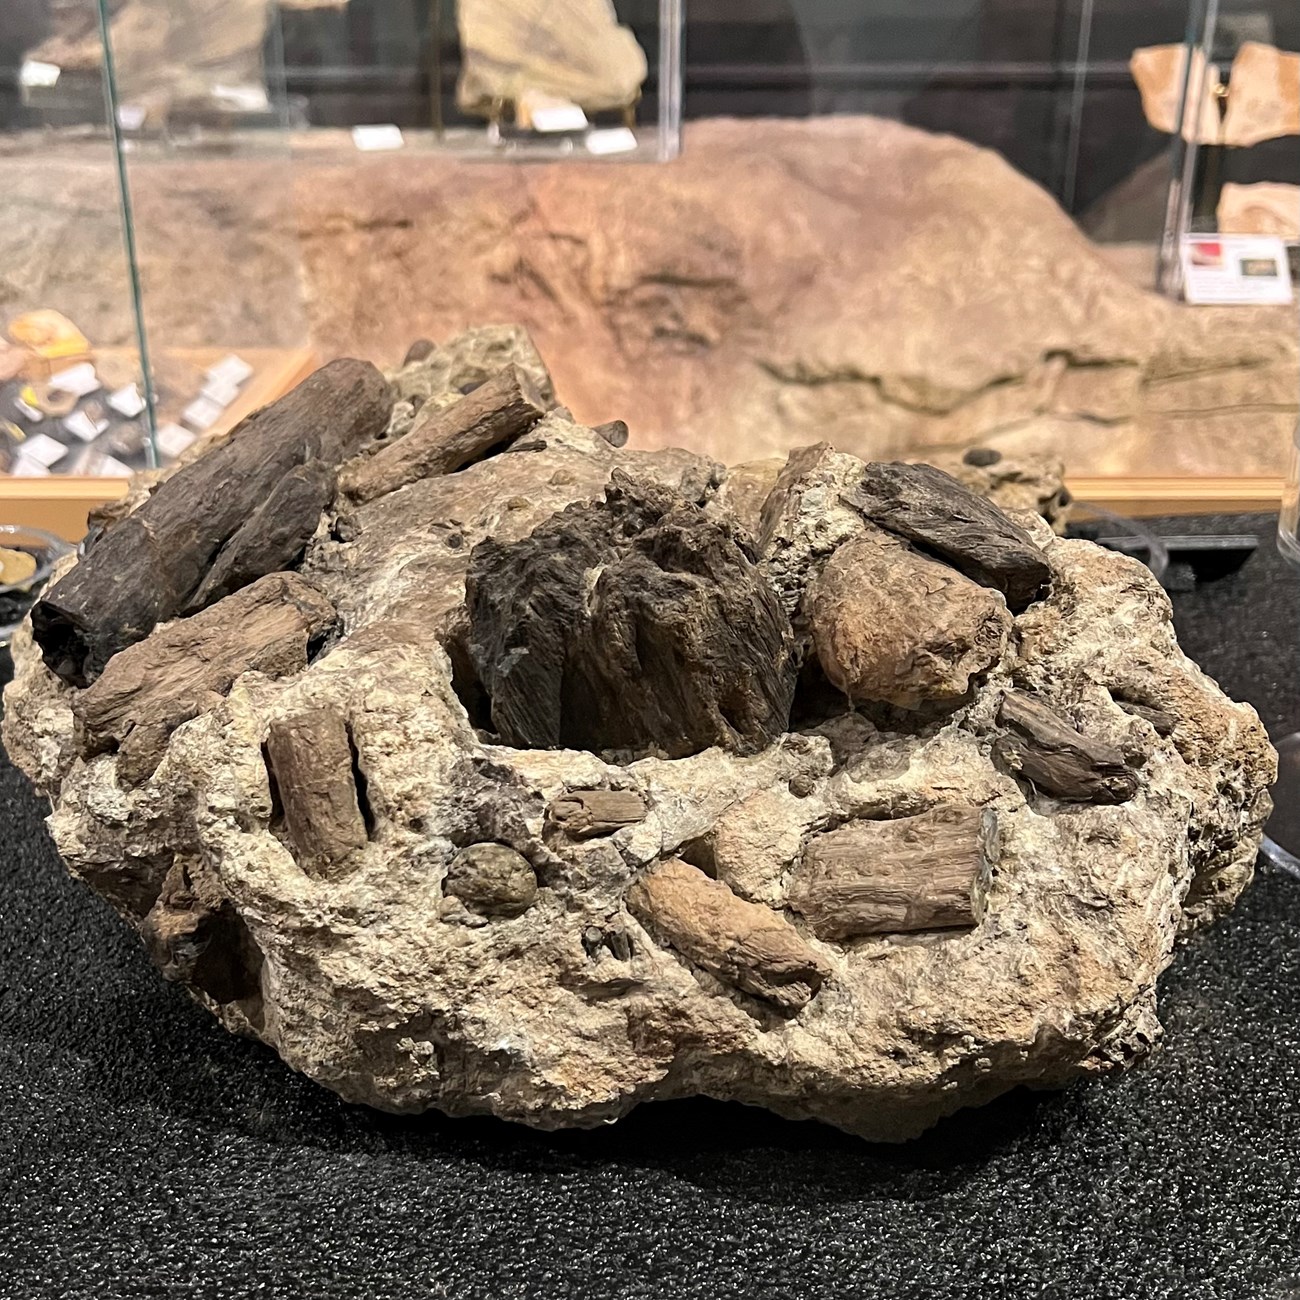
1282	834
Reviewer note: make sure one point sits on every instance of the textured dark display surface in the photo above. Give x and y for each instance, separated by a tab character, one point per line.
145	1152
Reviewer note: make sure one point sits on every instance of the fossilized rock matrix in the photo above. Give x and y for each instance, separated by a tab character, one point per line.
862	886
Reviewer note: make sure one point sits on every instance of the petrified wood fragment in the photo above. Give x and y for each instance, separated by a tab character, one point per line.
638	623
583	814
1162	720
1263	95
573	50
895	626
805	517
1059	759
492	879
443	440
273	536
742	943
1260	208
931	508
912	873
149	567
196	937
180	671
311	759
615	432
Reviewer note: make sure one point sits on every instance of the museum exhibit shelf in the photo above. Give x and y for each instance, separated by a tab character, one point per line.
949	237
61	502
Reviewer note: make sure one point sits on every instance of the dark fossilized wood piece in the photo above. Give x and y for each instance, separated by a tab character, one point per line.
638	623
877	877
196	937
310	756
801	462
273	536
931	508
1161	719
744	944
149	566
582	814
1057	758
441	441
185	668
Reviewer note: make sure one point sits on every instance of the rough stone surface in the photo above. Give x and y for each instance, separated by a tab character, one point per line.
782	282
893	626
399	979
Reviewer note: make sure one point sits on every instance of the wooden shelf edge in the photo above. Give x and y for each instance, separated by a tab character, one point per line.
60	503
1173	495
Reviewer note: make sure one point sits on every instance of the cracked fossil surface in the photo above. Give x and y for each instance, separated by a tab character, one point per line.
514	772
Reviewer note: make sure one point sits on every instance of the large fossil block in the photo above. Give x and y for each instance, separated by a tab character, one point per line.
509	795
571	49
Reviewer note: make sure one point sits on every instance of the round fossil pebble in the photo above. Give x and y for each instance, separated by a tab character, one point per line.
492	879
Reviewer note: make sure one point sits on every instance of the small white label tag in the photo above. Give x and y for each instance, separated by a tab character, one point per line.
77	380
377	139
171	440
244	99
131	117
111	467
41	449
25	467
84	426
202	414
127	401
230	370
220	392
35	73
614	139
550	119
1235	269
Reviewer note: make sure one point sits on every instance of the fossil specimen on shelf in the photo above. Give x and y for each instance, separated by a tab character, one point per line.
473	760
1258	99
570	51
1260	208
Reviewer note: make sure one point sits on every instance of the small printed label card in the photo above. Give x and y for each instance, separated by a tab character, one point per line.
1235	269
378	138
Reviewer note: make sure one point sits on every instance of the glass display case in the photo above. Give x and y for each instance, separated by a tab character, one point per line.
1233	103
910	229
527	79
71	384
125	337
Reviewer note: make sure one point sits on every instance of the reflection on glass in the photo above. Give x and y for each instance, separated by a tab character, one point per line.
1288	530
72	396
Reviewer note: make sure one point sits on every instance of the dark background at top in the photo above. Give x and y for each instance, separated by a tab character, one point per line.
998	72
